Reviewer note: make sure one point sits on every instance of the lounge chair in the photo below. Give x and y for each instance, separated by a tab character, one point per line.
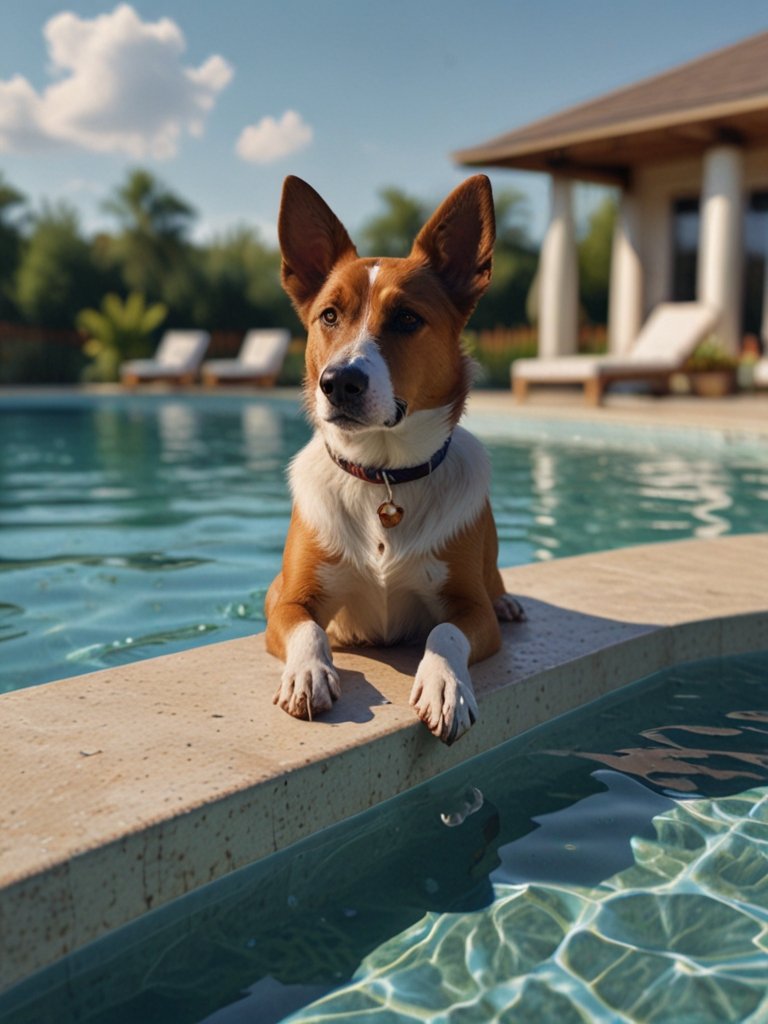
259	360
177	359
760	378
668	337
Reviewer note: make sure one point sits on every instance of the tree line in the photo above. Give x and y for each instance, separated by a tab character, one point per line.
50	270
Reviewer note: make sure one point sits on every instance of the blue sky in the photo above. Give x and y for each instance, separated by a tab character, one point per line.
223	98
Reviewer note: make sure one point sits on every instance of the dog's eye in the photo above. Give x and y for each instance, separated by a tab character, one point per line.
329	316
406	320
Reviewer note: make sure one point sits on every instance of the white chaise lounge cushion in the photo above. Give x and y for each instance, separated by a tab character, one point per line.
668	337
261	354
761	373
179	353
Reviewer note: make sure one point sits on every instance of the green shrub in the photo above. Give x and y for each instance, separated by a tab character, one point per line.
710	355
121	330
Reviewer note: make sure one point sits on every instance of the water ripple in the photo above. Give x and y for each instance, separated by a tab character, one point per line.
680	935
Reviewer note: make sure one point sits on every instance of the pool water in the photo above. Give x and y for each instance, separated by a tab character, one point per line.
134	528
609	866
141	525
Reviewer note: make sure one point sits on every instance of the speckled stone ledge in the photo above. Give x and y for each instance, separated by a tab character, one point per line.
127	788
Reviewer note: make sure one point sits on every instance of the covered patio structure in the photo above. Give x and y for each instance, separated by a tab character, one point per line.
688	152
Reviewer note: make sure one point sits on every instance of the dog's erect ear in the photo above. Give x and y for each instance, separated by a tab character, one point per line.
458	241
312	240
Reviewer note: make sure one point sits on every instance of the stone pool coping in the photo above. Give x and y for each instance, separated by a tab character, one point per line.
126	788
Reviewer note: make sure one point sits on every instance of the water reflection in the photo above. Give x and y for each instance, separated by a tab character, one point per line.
178	427
583	498
700	485
262	433
191	494
674	759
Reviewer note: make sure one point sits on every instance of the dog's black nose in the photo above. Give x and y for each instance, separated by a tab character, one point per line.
342	384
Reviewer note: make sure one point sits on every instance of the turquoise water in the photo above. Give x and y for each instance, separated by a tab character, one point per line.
135	526
610	866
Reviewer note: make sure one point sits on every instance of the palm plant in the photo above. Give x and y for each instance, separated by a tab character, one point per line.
121	329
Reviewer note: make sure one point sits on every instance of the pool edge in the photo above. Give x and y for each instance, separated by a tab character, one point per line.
106	820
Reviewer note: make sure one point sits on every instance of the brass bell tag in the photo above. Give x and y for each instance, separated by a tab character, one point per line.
389	514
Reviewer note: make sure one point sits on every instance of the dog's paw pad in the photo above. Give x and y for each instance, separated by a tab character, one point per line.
509	609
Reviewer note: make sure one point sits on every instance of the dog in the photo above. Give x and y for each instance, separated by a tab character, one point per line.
391	537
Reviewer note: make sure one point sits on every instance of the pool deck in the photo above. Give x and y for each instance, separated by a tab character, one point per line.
127	788
744	414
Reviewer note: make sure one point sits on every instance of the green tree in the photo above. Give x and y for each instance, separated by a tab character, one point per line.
240	284
595	261
121	329
392	231
56	274
154	227
514	265
11	202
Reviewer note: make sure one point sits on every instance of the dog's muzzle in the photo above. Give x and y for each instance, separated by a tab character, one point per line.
347	387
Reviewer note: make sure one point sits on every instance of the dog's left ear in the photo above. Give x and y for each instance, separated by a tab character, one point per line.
457	241
312	241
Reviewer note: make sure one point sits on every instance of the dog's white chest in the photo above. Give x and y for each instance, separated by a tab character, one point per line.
384	585
390	599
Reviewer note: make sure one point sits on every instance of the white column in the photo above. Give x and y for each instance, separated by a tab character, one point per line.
559	277
625	296
721	257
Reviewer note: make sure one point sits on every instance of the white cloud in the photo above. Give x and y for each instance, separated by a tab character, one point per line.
271	140
121	87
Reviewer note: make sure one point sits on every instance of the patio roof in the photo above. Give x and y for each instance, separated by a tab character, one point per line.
721	97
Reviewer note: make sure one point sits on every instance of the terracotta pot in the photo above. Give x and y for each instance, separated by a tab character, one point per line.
713	383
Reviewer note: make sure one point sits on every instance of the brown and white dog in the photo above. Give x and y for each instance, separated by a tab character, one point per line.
392	537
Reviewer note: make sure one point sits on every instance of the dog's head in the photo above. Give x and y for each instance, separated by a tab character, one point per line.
383	334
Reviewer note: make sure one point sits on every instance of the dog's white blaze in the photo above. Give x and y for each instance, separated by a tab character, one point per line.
363	352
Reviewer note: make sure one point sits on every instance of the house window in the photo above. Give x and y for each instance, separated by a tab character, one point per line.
756	269
685	249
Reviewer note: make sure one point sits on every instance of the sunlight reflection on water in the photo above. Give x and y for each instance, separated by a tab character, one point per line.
153	518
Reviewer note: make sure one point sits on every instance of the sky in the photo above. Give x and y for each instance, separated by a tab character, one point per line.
223	98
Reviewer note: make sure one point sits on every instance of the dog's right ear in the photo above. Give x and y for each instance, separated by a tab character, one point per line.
312	241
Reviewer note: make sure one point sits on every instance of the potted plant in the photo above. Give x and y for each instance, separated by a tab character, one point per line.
711	370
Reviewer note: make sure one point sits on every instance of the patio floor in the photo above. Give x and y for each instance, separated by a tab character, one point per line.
747	412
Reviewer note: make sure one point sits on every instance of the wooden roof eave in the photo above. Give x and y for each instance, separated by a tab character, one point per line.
556	152
558	163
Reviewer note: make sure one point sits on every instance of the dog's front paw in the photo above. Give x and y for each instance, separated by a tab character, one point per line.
443	698
509	609
308	690
310	683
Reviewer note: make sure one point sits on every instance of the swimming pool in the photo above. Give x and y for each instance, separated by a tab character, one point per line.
139	525
608	866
